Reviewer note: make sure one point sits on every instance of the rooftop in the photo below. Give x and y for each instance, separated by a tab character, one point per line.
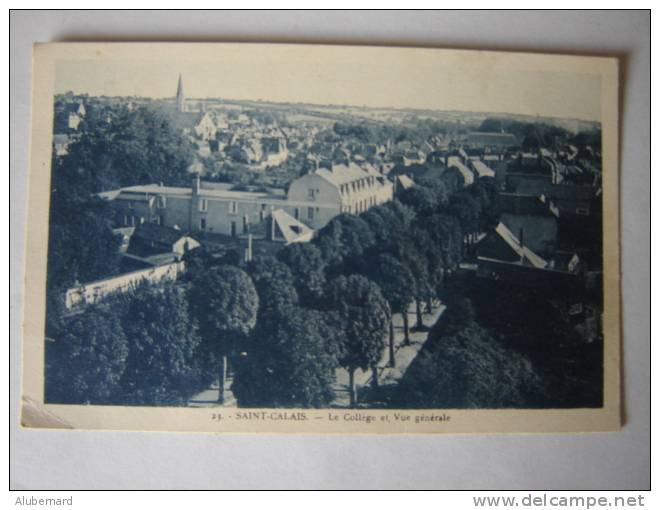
521	251
155	189
158	233
342	174
482	169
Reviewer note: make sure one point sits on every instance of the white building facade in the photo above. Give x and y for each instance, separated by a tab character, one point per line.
313	199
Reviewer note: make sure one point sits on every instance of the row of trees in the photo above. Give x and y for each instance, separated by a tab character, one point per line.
283	324
335	297
463	365
137	348
137	147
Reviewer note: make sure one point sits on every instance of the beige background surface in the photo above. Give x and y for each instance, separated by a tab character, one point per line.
320	461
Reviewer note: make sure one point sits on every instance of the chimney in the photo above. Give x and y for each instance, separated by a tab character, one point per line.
272	225
196	185
249	248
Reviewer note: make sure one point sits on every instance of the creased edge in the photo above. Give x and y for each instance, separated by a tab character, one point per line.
34	415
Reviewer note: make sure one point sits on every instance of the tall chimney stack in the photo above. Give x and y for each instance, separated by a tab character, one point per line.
196	184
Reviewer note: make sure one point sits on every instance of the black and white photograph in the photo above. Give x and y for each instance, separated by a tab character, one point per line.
280	237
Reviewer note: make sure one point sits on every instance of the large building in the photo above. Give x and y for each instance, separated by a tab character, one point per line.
313	199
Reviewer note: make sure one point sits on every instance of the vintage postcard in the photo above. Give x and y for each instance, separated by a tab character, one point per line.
297	239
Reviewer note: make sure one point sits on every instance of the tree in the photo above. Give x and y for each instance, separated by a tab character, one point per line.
139	147
415	260
467	211
363	317
485	192
421	199
274	283
85	362
306	265
463	366
81	244
396	284
289	362
161	367
447	238
225	303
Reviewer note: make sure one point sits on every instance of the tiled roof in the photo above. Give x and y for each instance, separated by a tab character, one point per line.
292	229
455	161
482	169
342	174
521	251
158	233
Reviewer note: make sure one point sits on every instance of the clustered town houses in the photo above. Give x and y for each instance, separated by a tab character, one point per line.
544	194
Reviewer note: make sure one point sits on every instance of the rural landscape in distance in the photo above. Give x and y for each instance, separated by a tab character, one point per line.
212	252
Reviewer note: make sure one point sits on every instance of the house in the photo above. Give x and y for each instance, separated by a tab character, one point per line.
537	219
503	256
569	199
286	228
403	182
502	245
487	140
342	189
205	127
152	239
481	168
457	162
313	199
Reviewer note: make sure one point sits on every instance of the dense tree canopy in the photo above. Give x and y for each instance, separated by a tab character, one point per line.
225	303
463	366
85	362
138	147
307	266
161	366
289	362
363	315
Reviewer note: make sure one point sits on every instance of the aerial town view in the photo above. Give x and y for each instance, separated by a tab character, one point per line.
208	252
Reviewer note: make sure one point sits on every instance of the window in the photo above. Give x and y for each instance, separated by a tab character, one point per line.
310	213
161	219
125	219
202	223
246	224
162	202
233	207
203	205
311	194
296	213
130	205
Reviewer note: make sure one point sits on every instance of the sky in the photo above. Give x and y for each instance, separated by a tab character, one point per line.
374	77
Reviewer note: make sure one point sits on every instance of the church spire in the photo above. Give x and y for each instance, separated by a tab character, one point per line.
180	99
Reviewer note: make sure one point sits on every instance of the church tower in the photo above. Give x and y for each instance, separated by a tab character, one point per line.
180	99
